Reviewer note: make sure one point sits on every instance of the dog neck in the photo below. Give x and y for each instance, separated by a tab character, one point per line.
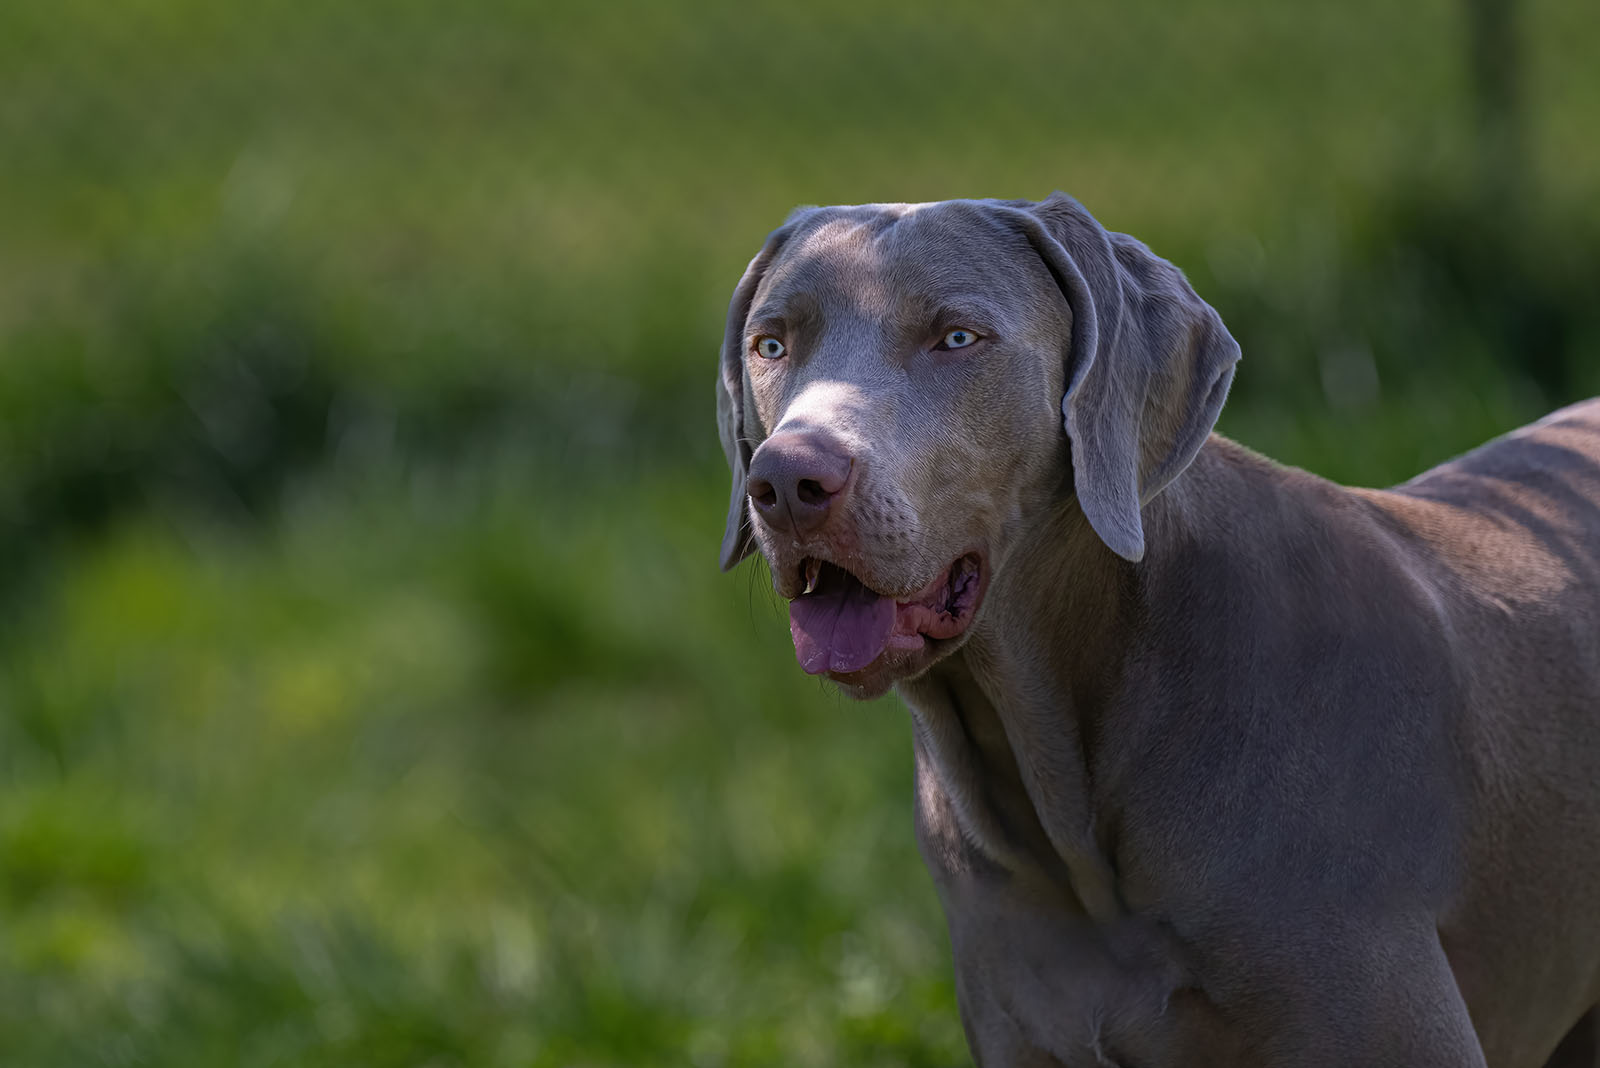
1008	725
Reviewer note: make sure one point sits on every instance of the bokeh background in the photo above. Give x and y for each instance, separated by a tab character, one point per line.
369	694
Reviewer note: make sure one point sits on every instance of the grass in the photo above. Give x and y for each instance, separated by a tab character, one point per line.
302	798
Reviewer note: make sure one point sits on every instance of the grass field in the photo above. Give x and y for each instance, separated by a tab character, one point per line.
368	691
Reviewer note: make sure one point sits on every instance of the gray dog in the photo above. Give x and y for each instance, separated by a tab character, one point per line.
1217	763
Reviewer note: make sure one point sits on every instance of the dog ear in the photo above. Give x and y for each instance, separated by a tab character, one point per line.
1147	371
736	444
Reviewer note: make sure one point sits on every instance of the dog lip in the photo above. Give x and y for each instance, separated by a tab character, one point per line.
945	607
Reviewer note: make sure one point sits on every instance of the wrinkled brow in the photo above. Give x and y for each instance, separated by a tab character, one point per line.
795	312
920	311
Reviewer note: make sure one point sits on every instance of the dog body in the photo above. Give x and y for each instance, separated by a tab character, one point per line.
1336	749
1216	762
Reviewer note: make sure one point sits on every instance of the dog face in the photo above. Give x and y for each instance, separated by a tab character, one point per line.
891	394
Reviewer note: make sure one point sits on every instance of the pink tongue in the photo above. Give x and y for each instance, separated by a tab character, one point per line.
841	625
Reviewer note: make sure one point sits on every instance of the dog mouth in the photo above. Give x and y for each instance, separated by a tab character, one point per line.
841	625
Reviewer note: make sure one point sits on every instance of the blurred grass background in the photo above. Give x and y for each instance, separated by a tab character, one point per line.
368	692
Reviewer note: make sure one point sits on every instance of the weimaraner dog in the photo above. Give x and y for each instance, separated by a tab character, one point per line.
1217	763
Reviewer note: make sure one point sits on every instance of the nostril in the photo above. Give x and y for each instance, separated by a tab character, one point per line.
810	492
763	494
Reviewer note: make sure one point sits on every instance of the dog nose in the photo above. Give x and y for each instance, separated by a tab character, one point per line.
795	479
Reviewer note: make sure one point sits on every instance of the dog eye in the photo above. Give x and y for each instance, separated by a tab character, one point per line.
959	338
770	348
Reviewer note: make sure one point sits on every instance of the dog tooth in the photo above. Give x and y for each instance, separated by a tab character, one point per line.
813	569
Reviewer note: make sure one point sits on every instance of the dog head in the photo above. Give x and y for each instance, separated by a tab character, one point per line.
891	395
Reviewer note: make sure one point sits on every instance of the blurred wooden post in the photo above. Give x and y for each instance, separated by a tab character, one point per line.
1496	73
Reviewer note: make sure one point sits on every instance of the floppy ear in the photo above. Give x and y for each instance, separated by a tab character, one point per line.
736	540
1148	367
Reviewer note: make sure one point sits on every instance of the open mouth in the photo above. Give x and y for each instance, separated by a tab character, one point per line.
841	625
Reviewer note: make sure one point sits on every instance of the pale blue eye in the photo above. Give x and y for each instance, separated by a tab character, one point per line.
959	338
770	348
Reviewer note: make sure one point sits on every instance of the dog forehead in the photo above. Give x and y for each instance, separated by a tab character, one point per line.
873	258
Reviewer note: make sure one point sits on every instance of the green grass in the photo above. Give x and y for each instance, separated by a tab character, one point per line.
438	799
368	692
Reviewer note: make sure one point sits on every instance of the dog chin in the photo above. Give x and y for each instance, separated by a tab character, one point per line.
895	665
